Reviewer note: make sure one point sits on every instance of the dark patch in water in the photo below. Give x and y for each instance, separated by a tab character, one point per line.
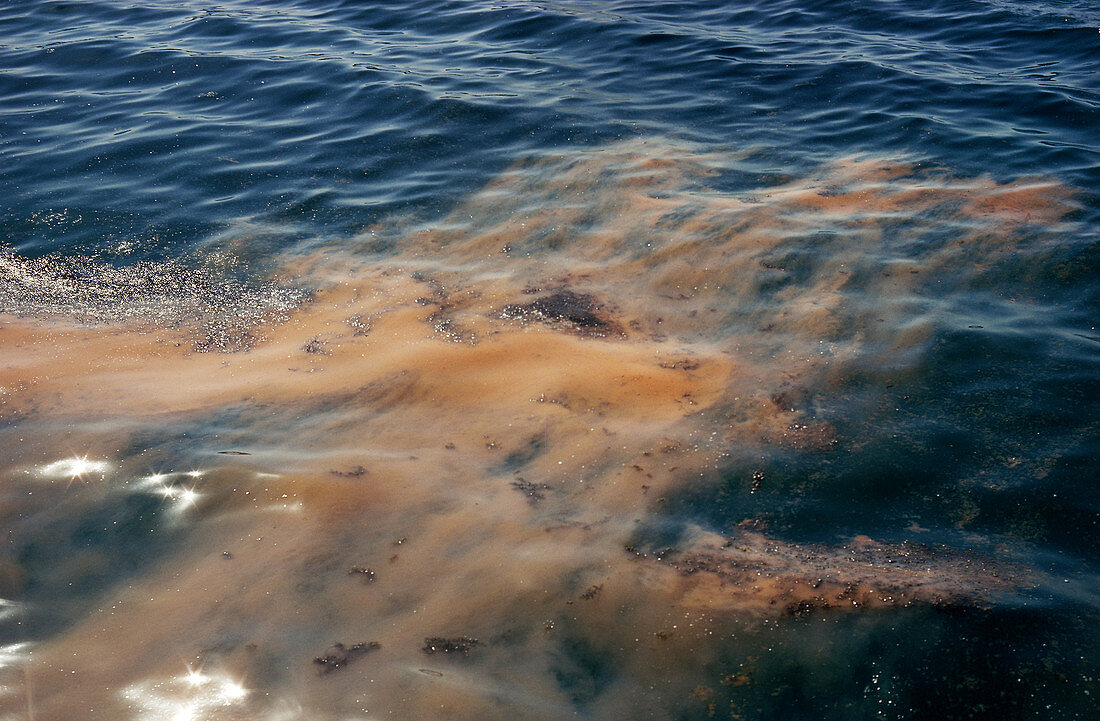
580	312
357	472
584	671
684	364
528	452
657	532
535	492
64	562
805	608
338	655
317	346
459	645
367	574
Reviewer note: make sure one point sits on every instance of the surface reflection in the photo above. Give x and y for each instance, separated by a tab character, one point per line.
179	488
75	468
193	696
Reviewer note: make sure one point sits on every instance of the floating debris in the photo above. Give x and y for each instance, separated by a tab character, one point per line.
317	346
809	436
357	472
535	492
366	573
359	325
806	607
685	364
461	645
339	655
577	311
751	570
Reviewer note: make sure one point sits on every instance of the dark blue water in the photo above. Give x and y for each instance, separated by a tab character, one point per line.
171	132
163	126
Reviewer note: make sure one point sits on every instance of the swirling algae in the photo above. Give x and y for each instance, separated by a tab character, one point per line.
595	331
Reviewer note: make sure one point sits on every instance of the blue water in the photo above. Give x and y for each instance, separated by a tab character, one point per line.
168	131
160	125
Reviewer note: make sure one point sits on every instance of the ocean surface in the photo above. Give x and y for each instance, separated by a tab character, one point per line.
549	360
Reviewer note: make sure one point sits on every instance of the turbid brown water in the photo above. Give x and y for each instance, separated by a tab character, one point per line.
425	484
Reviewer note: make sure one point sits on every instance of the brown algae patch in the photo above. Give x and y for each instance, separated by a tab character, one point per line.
515	441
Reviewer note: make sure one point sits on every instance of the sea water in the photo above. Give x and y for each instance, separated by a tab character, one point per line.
549	360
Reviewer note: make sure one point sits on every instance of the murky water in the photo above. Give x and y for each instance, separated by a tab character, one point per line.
517	360
478	478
